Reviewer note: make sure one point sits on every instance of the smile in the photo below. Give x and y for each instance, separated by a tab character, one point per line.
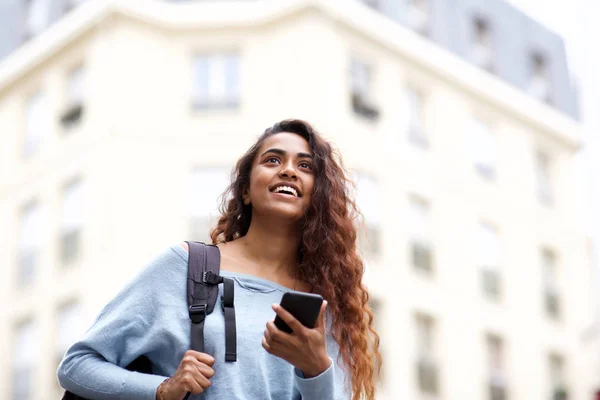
287	190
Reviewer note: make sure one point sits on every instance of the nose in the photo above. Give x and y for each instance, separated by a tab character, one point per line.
288	172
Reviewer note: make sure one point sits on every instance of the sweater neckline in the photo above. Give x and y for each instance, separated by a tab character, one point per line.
243	279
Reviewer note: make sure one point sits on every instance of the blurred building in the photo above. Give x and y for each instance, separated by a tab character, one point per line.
121	121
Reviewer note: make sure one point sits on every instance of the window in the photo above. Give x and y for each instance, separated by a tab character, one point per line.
361	81
206	185
374	4
550	279
75	98
427	371
25	358
37	17
418	15
68	329
73	215
37	123
482	50
420	242
484	148
367	200
412	106
539	80
71	4
30	241
497	379
558	387
543	178
216	81
488	248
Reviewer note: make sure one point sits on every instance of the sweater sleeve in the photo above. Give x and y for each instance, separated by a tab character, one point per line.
94	367
330	384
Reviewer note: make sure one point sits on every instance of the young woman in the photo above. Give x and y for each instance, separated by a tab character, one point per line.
287	224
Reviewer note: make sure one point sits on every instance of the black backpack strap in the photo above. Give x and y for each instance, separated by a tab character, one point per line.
229	311
204	264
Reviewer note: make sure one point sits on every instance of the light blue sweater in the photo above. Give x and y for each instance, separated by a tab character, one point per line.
149	316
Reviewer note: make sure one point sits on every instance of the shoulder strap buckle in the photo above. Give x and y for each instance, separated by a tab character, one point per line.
197	313
211	278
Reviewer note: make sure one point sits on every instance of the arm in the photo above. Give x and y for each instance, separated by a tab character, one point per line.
125	329
330	384
312	352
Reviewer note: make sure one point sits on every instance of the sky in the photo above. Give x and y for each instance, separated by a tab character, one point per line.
578	22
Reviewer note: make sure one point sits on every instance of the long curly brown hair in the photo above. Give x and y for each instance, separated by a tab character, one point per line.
327	256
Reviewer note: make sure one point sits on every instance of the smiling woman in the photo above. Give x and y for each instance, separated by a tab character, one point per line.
287	223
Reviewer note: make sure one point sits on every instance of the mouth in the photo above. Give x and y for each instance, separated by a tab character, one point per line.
286	189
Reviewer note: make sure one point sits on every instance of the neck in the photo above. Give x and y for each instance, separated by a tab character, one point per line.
272	245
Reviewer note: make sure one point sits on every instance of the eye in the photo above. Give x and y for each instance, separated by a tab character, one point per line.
268	160
304	164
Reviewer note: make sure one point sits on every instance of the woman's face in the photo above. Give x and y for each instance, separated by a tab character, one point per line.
282	179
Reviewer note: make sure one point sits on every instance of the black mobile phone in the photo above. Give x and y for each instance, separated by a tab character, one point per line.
305	307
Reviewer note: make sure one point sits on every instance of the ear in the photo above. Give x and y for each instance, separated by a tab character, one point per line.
246	197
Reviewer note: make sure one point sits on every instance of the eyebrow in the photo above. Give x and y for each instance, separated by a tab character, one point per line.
283	153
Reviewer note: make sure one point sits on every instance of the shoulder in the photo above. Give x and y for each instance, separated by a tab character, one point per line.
185	246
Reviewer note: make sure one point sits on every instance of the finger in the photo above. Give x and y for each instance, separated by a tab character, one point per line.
275	334
266	346
192	385
321	321
202	380
202	357
206	370
288	318
268	335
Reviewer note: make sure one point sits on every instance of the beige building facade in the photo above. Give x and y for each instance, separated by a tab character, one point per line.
120	125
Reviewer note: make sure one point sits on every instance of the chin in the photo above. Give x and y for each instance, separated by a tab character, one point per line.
286	213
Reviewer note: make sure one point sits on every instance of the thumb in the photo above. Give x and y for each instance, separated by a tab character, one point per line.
321	320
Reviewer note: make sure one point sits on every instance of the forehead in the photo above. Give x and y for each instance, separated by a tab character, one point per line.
287	141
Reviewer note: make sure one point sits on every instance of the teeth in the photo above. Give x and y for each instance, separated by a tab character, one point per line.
286	189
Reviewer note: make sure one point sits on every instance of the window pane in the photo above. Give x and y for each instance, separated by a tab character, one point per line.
217	80
427	372
557	373
544	184
24	360
412	115
201	79
482	44
549	269
418	15
367	200
37	16
425	339
360	77
73	206
483	147
37	123
495	354
76	89
232	78
30	240
418	220
539	85
488	247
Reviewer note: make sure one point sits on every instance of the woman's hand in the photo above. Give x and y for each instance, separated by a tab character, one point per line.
304	348
192	375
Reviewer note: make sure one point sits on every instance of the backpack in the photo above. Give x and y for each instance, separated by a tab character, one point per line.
203	279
